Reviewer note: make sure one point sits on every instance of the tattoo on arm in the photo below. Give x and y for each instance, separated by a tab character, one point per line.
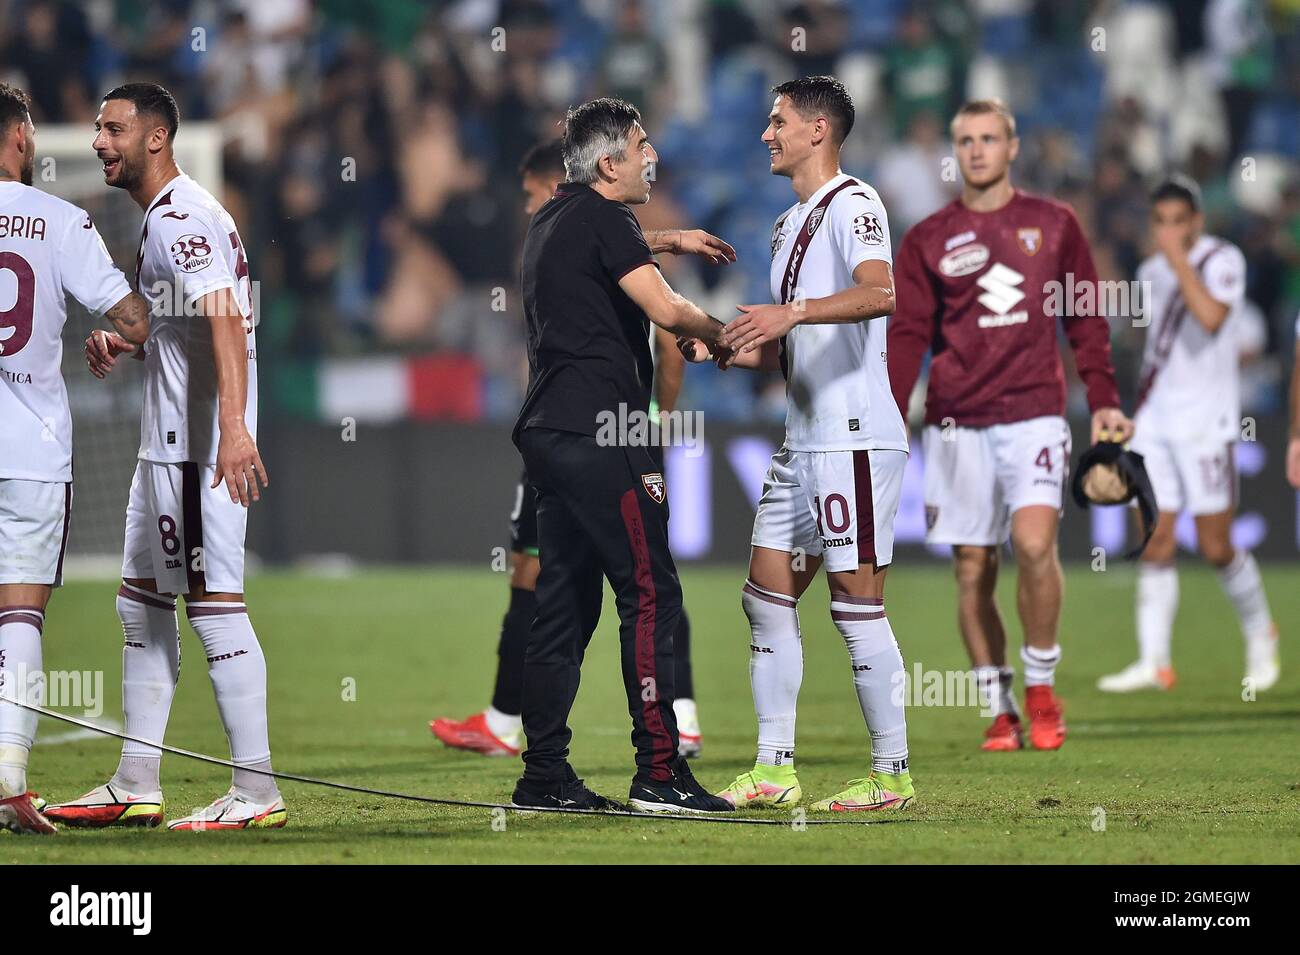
130	317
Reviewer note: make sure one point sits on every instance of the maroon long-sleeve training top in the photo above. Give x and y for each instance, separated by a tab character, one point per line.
976	290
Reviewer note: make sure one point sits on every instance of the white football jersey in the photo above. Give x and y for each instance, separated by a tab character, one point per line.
1189	386
48	247
189	246
837	376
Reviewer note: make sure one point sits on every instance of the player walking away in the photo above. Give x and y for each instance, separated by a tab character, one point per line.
974	289
591	290
832	491
184	530
1187	432
48	247
499	730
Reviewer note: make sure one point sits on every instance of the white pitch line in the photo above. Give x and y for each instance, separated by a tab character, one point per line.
76	736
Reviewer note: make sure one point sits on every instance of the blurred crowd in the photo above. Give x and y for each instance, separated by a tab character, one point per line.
371	146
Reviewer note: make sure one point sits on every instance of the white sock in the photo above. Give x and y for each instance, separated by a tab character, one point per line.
22	677
1040	665
237	669
503	725
688	717
1241	582
151	662
878	676
1157	603
775	670
996	686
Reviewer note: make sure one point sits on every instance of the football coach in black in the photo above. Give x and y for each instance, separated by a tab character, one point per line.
591	289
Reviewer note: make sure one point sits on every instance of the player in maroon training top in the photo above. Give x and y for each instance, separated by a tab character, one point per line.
976	284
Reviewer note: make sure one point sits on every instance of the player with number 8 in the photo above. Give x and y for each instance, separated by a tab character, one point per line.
199	469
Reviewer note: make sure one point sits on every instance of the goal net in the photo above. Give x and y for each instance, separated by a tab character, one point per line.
106	414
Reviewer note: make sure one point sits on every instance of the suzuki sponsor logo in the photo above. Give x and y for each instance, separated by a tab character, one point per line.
1002	293
792	270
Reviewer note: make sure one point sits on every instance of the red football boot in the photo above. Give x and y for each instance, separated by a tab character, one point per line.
19	814
1046	718
474	735
1004	735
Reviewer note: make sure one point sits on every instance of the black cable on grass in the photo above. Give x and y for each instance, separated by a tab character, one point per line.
464	803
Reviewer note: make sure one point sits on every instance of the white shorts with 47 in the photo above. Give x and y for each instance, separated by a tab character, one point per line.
976	478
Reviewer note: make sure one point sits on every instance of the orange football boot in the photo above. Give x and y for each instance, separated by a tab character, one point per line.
1046	718
472	734
1004	735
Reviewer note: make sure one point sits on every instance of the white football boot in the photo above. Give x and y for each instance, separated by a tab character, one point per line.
233	811
1263	665
1138	676
690	743
109	805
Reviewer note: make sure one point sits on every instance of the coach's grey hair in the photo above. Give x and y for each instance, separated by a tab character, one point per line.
593	131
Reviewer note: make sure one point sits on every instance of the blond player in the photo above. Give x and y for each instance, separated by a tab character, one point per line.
198	471
1188	422
48	247
975	283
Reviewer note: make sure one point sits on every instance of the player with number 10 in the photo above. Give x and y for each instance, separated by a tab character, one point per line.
832	491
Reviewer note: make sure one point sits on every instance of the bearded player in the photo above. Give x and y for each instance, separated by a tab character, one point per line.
499	730
48	247
832	491
1187	432
975	287
199	470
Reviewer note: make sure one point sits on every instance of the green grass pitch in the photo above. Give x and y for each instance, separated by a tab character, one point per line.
1196	775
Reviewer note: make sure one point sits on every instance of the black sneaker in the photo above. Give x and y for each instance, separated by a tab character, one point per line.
568	793
681	794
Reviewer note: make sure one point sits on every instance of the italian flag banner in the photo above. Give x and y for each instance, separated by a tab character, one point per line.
435	387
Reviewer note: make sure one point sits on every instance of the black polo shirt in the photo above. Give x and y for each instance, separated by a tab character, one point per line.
588	343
